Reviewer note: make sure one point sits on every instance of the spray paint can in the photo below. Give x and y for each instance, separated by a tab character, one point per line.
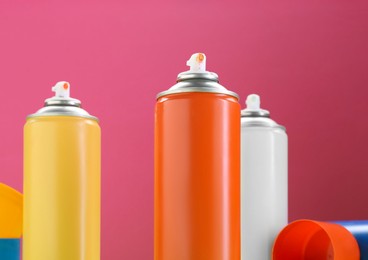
197	168
264	201
61	181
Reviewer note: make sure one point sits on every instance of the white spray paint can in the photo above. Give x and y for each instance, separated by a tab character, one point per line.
264	180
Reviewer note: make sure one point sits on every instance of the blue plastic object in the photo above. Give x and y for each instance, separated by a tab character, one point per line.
359	229
9	248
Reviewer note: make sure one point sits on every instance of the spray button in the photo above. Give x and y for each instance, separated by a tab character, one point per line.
62	96
197	63
253	108
62	89
253	102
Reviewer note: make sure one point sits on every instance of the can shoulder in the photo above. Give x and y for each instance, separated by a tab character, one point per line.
55	119
71	111
261	122
197	86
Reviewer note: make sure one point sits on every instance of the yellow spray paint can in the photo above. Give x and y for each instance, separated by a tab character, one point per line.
62	161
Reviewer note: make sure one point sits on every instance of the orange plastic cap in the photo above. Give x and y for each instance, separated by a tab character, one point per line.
308	239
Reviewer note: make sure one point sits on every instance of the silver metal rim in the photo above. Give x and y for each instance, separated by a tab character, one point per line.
197	82
265	125
59	110
190	75
199	90
62	102
260	122
258	113
69	114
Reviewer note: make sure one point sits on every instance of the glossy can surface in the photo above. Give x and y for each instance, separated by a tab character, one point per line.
197	177
61	188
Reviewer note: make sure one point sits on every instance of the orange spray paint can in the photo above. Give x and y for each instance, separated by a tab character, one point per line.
197	168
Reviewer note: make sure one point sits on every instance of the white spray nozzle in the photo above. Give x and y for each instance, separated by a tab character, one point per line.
197	63
62	89
253	102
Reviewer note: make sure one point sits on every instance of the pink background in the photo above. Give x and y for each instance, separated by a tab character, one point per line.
307	59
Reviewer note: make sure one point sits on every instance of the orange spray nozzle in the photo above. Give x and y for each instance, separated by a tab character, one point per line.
200	57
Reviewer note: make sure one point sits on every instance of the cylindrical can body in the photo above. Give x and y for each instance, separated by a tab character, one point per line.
264	198
197	177
61	188
359	229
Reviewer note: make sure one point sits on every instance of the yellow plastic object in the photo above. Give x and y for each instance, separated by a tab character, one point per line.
11	211
61	188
